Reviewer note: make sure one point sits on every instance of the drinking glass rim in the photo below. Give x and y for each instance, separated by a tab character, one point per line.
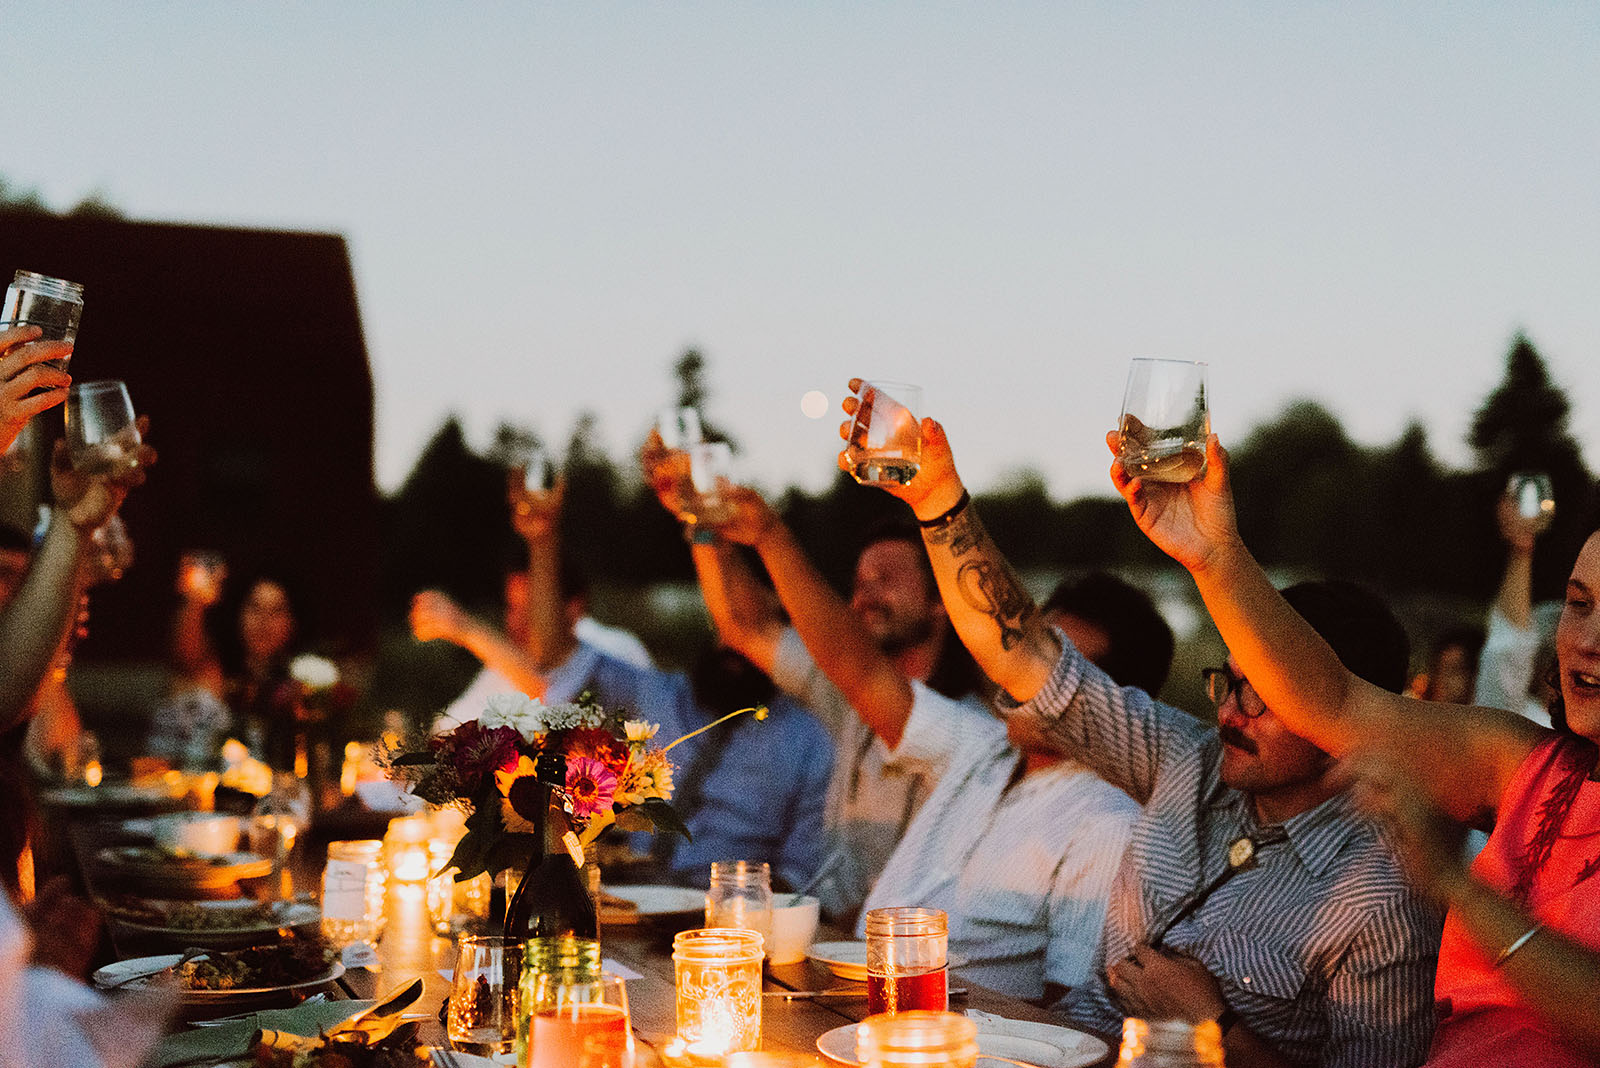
98	385
49	285
1171	360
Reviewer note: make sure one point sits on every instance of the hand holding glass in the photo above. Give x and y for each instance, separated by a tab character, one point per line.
711	473
1165	421
886	437
1535	499
102	436
52	304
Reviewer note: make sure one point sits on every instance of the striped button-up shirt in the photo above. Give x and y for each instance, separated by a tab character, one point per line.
1321	948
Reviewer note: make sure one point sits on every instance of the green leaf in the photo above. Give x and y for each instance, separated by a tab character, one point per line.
631	819
663	817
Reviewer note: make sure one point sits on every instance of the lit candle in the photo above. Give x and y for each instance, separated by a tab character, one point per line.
718	973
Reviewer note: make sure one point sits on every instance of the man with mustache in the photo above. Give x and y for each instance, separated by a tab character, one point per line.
1252	892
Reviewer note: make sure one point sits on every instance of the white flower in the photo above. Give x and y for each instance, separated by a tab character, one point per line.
515	710
638	730
314	672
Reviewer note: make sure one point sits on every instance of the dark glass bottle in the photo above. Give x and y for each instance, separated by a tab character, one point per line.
551	900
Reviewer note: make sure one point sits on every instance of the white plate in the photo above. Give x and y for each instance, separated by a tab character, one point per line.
652	902
1043	1044
151	865
286	913
130	970
848	960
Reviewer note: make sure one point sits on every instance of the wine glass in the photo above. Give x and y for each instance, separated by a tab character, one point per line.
1165	421
102	437
886	437
711	473
1535	499
481	1017
578	1021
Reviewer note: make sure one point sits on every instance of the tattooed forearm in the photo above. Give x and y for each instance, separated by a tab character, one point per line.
985	579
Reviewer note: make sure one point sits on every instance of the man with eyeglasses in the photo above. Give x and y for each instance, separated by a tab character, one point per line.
1252	892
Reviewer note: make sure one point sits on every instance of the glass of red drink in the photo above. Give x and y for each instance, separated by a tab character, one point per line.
906	966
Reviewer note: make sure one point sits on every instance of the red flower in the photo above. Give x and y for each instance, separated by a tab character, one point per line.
597	743
479	753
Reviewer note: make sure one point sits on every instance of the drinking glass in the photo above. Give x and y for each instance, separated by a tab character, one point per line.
538	470
578	1021
679	428
102	437
741	896
1165	421
906	960
886	438
711	473
1535	498
201	574
277	822
54	305
482	1013
918	1039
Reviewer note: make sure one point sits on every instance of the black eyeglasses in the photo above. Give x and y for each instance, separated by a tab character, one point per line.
1221	682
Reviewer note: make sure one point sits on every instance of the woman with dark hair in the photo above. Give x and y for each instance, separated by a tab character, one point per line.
232	646
1519	968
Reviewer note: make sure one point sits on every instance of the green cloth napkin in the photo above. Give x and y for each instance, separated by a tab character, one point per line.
231	1040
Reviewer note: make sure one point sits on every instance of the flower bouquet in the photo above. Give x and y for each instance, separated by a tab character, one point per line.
603	768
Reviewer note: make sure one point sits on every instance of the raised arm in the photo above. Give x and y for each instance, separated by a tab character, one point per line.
992	612
741	608
35	623
435	616
1463	757
536	515
842	647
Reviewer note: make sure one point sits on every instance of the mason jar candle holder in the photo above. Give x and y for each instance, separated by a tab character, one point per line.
718	974
917	1039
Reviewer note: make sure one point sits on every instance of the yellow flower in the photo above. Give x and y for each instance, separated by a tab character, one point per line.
647	775
638	730
505	781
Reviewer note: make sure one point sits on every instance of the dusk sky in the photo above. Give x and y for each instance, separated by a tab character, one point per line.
1002	202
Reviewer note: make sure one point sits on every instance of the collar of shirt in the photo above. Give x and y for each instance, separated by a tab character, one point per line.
1317	835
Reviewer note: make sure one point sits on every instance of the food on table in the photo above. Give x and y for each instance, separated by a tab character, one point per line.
293	960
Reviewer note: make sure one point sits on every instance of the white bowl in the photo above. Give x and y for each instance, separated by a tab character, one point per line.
793	929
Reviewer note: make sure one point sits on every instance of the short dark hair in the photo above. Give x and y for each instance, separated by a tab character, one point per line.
1141	642
1364	634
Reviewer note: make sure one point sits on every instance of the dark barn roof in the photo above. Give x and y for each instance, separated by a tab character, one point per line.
245	349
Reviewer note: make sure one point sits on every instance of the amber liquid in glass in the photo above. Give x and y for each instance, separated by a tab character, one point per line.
901	993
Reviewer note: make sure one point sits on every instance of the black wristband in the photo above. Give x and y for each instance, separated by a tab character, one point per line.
945	518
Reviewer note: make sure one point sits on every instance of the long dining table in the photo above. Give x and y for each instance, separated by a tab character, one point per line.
410	949
791	1020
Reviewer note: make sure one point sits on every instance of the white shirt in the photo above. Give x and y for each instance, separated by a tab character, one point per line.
48	1020
871	800
1023	872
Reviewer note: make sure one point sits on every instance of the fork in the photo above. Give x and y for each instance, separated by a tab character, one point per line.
189	954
